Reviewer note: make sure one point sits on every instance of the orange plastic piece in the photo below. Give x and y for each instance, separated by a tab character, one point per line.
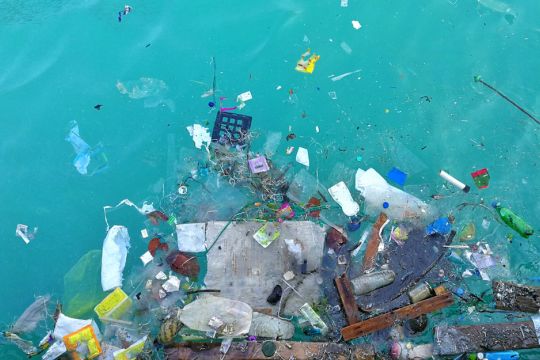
83	335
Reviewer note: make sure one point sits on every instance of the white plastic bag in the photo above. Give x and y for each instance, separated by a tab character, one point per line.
113	259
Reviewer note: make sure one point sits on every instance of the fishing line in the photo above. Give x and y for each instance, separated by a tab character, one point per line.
477	78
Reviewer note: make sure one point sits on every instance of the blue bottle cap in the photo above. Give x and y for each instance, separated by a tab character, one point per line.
385	205
353	226
460	291
495	204
211	104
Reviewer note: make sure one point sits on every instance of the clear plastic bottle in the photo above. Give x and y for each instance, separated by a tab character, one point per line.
381	196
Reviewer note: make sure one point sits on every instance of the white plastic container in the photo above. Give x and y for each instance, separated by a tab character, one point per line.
341	194
376	192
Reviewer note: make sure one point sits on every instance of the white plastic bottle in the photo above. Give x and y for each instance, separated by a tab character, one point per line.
381	196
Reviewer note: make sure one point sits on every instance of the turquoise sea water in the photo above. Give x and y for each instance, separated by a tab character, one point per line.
60	58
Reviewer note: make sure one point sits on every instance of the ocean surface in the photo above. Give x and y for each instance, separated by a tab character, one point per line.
410	101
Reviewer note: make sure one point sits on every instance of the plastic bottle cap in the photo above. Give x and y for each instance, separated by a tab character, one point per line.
211	104
268	348
460	291
385	205
495	204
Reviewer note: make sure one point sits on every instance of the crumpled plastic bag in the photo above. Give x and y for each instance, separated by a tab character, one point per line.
113	257
84	153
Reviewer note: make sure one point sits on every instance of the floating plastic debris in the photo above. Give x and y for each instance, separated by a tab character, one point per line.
307	65
84	153
114	256
22	231
200	135
302	156
153	91
339	77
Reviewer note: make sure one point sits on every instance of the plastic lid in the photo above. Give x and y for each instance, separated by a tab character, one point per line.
268	348
385	205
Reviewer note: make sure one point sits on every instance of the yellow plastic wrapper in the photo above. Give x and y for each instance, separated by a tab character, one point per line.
307	65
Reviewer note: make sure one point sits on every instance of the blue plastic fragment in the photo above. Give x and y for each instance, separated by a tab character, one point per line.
502	355
440	226
397	176
385	205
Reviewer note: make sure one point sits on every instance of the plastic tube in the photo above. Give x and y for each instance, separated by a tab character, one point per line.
452	180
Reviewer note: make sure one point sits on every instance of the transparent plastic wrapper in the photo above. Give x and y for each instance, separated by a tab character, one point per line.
33	314
235	315
82	285
303	186
212	199
22	231
84	153
25	346
399	204
153	91
113	258
273	139
402	157
132	351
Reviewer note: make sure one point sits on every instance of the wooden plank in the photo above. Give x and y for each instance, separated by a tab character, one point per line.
388	319
453	340
373	243
516	297
346	294
284	350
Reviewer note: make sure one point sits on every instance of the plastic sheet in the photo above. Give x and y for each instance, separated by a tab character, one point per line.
82	288
33	314
191	237
113	258
153	91
84	153
200	135
236	315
